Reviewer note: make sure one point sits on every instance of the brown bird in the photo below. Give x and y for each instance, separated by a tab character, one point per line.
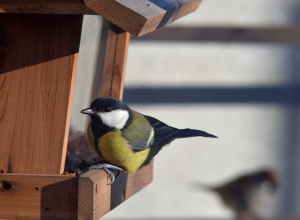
248	195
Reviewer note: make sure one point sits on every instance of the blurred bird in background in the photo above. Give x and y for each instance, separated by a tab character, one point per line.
248	195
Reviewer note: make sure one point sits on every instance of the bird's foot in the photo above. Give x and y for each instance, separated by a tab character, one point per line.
106	167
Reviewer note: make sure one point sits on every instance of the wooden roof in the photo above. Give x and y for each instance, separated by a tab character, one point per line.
138	17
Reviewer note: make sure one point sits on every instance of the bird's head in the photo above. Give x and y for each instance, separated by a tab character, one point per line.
267	178
110	112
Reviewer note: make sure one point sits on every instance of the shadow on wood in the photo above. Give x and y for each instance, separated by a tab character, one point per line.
59	200
37	65
27	40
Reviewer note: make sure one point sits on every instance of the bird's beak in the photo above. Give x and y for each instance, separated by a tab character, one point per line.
87	111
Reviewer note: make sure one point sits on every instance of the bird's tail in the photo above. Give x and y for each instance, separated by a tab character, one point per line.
184	133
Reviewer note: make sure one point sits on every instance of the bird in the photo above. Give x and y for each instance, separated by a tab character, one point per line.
248	195
126	139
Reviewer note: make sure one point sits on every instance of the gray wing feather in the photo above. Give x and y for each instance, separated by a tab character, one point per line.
139	134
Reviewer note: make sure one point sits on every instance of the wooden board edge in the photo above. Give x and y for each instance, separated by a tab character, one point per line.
140	21
139	180
38	196
93	195
68	116
115	62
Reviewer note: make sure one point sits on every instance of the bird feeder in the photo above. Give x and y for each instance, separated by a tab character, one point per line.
39	49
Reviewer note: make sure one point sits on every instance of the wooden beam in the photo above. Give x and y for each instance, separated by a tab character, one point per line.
115	62
38	196
139	180
37	74
27	196
140	17
95	196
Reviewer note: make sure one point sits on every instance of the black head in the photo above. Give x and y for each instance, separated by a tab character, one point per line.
107	104
109	112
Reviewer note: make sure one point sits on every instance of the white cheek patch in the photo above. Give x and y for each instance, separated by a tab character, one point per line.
114	119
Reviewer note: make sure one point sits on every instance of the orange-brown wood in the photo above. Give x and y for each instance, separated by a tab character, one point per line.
139	180
140	17
38	196
115	62
26	196
55	196
93	195
38	62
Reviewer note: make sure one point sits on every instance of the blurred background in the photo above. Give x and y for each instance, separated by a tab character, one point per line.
231	69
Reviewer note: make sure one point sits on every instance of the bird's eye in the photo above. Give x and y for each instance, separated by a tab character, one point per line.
107	109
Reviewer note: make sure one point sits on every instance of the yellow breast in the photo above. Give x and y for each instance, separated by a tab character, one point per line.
116	151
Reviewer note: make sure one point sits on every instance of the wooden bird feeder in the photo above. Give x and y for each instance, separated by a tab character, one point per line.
39	47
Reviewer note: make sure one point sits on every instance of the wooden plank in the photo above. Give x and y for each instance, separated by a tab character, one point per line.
56	196
139	180
44	7
282	34
95	196
115	62
37	71
39	197
139	17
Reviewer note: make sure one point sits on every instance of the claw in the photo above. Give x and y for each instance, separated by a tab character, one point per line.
106	168
111	174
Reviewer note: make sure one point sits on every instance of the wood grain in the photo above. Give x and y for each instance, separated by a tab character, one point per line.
139	180
38	59
115	62
39	197
137	17
93	195
56	196
140	17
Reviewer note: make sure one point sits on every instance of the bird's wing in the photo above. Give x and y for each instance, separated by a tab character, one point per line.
139	134
146	131
163	133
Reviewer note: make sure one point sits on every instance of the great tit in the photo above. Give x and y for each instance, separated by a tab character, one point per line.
126	139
